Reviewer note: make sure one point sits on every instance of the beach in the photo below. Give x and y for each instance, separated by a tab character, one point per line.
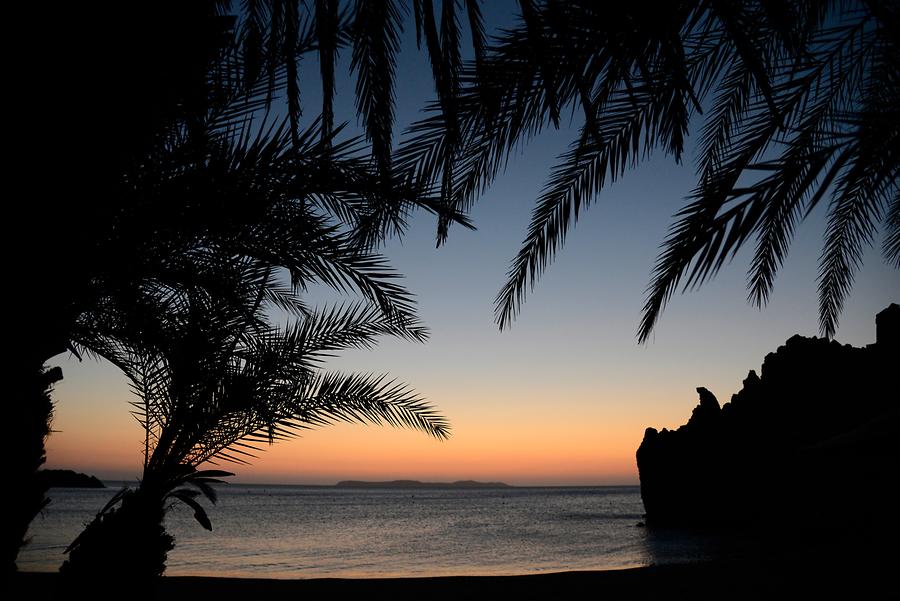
815	578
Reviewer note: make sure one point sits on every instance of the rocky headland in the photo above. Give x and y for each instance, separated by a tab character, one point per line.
808	443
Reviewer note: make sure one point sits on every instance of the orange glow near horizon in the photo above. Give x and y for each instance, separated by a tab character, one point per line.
352	452
518	441
518	455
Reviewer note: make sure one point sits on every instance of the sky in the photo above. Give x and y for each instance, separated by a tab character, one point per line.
561	398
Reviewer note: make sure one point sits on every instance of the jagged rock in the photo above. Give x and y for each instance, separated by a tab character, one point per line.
812	438
887	327
707	413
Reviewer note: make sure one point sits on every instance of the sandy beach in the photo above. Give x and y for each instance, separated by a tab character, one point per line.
696	581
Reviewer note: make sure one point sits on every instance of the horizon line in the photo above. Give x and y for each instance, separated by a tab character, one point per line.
412	483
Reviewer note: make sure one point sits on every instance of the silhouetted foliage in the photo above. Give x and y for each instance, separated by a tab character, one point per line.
798	103
221	384
123	545
168	171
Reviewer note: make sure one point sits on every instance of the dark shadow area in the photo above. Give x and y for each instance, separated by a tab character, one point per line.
713	581
30	415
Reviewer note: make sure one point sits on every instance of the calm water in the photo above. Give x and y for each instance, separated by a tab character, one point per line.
306	532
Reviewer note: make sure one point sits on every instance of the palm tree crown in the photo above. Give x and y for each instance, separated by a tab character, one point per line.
222	383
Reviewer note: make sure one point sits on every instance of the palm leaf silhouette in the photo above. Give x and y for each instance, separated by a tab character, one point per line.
787	95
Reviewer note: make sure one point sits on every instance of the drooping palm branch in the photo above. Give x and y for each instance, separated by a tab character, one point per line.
272	35
217	390
786	94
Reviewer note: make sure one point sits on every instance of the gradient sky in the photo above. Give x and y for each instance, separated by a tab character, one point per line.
565	395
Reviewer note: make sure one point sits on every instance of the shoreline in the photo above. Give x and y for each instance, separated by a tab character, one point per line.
713	580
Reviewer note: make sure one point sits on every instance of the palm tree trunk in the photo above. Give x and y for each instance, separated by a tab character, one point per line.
30	411
128	543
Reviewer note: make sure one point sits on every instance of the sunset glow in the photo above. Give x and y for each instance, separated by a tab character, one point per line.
565	394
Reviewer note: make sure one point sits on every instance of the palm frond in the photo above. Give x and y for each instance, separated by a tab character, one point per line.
870	182
218	392
476	31
891	246
736	22
376	42
582	173
327	37
721	217
187	498
290	50
367	398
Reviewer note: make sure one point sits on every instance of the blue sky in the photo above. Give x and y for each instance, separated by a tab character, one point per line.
567	390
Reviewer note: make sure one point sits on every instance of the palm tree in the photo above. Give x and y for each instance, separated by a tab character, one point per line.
166	166
799	104
223	384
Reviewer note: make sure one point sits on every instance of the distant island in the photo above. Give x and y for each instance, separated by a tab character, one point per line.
68	479
418	484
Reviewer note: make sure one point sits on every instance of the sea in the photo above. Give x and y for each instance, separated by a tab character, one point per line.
331	532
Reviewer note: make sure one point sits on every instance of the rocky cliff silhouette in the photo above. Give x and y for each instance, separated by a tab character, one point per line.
810	442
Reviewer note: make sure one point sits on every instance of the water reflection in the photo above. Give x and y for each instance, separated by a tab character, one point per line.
301	532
